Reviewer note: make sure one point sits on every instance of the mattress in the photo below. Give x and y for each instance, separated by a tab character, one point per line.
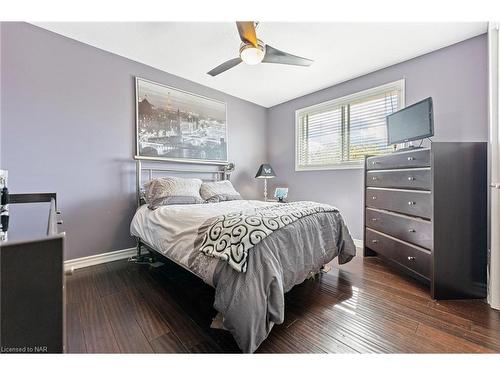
172	230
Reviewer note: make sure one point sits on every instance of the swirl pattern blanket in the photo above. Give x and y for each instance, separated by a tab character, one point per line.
232	235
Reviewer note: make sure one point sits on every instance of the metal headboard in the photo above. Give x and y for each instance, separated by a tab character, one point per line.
222	173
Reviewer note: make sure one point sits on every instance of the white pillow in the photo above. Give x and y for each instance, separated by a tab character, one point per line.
172	190
219	191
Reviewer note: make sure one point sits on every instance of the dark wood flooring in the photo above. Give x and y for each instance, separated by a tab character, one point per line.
363	306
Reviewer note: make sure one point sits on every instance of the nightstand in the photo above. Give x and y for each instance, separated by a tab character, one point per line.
277	201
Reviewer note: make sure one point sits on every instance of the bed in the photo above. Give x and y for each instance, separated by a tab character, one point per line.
249	291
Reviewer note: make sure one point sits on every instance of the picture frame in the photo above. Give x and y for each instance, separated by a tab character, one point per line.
281	193
176	125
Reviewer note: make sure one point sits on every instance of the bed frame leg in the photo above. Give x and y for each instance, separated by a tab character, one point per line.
138	245
141	258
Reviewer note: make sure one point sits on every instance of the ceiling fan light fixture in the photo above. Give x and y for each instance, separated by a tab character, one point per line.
253	51
252	55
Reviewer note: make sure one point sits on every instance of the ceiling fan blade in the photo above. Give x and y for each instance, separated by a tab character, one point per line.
247	33
224	66
276	56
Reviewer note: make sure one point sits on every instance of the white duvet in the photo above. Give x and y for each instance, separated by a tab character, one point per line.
172	231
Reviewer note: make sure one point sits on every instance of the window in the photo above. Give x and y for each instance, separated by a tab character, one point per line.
339	133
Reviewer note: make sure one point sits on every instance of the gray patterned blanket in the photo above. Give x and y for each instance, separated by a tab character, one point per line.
252	302
231	236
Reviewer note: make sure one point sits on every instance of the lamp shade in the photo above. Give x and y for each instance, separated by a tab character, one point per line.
265	171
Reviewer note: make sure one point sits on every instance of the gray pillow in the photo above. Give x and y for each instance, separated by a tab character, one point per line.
219	191
172	190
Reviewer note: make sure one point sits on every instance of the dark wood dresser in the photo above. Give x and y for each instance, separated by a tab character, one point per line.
426	213
32	277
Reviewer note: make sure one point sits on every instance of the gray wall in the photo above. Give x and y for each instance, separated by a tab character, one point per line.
68	125
455	77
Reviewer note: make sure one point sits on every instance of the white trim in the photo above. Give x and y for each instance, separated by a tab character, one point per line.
494	148
326	167
92	260
358	95
399	85
358	243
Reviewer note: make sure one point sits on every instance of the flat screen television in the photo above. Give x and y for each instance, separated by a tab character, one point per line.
411	123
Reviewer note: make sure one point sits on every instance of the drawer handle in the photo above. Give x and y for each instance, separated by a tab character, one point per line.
374	178
59	222
375	162
58	212
411	230
411	203
374	198
374	219
410	158
411	259
411	178
374	241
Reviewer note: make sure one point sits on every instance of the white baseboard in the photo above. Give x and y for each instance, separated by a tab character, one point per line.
358	243
74	264
93	260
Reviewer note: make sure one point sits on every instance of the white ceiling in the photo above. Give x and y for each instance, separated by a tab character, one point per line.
340	51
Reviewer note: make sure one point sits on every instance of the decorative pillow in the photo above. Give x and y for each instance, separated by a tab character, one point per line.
172	190
219	191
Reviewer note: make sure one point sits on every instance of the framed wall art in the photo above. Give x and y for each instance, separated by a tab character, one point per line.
176	125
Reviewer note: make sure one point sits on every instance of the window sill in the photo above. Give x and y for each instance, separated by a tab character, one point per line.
359	165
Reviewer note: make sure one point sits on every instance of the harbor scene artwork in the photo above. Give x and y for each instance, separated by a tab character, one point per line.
176	125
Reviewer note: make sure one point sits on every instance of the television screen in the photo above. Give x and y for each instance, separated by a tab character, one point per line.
411	123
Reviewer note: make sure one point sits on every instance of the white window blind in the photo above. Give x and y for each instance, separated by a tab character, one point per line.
339	133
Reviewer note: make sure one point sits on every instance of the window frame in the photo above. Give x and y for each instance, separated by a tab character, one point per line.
338	102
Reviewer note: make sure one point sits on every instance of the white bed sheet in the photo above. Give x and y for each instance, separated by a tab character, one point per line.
172	231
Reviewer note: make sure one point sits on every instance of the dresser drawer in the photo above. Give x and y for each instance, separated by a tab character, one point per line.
411	178
406	159
411	202
410	256
406	228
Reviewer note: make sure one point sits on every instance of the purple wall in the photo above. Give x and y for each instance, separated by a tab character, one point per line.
68	118
68	125
456	78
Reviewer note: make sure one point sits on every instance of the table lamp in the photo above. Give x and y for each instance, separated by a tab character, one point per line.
265	171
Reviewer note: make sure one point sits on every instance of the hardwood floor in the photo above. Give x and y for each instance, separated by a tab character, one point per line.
363	306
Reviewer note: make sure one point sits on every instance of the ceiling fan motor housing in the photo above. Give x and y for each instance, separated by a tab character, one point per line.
251	54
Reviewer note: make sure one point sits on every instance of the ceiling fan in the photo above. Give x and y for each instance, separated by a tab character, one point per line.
253	51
